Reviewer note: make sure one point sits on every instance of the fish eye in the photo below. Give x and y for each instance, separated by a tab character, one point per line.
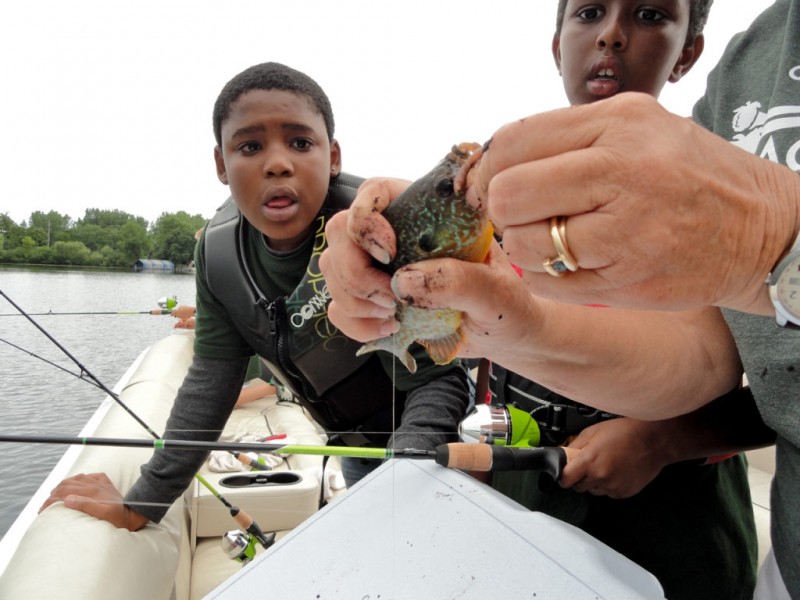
444	187
427	242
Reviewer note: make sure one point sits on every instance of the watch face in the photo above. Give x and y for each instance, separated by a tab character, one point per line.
787	288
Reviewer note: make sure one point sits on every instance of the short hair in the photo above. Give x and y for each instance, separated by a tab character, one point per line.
270	76
698	16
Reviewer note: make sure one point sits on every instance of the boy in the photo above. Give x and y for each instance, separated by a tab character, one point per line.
689	524
259	290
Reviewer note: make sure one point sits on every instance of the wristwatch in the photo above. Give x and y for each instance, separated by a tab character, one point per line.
784	287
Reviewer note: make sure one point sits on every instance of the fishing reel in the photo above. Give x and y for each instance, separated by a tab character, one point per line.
500	425
168	302
240	545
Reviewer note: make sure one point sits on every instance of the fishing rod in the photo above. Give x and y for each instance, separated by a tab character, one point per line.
246	460
84	370
155	311
242	518
50	362
457	455
465	456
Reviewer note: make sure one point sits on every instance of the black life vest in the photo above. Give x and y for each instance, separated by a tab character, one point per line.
291	334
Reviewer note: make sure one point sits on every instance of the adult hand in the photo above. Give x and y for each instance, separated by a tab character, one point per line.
661	213
615	458
499	315
364	297
362	305
95	495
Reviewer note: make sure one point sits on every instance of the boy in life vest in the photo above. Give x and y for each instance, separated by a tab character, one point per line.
636	485
260	291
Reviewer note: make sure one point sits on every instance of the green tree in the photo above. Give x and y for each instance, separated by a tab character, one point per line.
11	232
107	238
6	224
109	219
94	236
134	242
70	253
52	226
173	236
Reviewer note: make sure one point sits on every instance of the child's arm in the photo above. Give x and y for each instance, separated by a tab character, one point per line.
433	411
254	391
202	407
620	456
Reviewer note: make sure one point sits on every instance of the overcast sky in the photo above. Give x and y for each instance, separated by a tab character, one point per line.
108	104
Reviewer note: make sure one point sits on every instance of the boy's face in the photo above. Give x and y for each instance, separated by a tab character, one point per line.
278	161
614	46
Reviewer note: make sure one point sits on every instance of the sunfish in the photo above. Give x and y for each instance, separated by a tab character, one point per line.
432	219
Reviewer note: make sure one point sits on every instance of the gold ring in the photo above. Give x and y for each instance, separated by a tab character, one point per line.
557	266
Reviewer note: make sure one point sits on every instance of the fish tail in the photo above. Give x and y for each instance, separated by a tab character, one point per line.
390	345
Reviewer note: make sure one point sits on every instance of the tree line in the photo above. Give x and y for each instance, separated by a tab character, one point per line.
102	238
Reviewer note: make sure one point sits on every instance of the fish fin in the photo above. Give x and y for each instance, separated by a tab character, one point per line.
444	349
390	346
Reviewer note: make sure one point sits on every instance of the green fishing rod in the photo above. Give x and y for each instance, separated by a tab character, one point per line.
242	518
166	304
457	455
465	456
155	311
271	447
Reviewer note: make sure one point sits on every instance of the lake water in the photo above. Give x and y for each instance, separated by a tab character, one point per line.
37	398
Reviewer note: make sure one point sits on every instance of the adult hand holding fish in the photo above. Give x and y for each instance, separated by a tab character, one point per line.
365	304
689	221
432	219
585	353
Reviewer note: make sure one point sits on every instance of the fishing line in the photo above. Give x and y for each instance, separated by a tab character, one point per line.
81	377
155	311
83	369
239	516
394	471
51	363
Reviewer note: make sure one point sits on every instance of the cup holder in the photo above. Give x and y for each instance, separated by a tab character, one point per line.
250	480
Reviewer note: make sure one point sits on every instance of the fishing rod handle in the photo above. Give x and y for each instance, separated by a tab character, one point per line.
484	457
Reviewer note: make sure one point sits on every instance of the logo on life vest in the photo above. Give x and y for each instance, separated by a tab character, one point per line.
317	304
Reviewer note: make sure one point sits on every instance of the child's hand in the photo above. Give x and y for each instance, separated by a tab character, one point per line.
615	458
95	495
185	323
183	312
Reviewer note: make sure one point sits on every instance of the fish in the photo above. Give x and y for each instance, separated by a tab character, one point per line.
432	219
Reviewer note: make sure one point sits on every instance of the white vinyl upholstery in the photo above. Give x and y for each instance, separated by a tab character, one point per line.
67	554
